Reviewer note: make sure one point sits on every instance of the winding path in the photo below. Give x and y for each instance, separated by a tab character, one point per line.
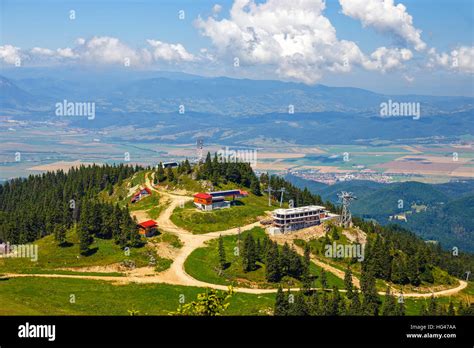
176	274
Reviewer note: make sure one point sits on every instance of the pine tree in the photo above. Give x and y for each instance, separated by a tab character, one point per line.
423	309
432	306
299	307
348	282
398	272
272	269
249	256
170	175
60	234
314	304
451	311
281	303
255	187
222	256
413	271
355	305
285	260
160	173
207	169
370	302
85	239
389	306
324	280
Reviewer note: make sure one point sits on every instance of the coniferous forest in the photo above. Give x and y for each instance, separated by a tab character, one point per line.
54	202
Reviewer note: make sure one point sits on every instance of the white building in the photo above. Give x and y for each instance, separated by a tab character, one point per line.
288	220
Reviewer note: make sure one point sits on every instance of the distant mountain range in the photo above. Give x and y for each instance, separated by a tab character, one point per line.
449	214
230	110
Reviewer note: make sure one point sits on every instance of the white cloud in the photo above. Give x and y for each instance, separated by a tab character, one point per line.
385	16
460	59
103	50
216	9
294	37
10	54
170	52
66	52
108	50
42	51
384	59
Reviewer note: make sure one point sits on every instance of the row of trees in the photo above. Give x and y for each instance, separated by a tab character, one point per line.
397	255
220	172
279	262
55	202
324	303
162	174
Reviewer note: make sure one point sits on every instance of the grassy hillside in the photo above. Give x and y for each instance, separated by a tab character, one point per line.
51	256
245	211
203	264
50	296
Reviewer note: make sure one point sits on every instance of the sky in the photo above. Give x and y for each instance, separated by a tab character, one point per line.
397	47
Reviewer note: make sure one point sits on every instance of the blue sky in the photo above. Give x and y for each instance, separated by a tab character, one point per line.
177	44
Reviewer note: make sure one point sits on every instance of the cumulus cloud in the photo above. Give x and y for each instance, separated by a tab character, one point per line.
385	16
108	50
460	59
216	9
294	36
170	52
102	50
384	59
42	51
10	54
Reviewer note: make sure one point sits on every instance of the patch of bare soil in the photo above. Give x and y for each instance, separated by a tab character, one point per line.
355	234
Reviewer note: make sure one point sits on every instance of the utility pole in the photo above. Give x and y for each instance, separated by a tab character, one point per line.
269	190
282	190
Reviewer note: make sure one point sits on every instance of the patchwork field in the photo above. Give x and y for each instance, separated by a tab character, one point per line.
53	146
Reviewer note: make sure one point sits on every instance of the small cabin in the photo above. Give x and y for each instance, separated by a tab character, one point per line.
147	228
144	192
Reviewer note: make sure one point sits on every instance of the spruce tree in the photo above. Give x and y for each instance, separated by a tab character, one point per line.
222	256
389	306
255	187
370	302
272	265
60	234
85	239
299	307
348	282
248	254
170	175
324	280
281	303
355	305
451	311
160	173
432	306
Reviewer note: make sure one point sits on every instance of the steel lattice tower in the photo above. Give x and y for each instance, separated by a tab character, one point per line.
346	198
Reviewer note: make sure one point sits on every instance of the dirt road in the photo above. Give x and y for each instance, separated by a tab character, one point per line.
177	275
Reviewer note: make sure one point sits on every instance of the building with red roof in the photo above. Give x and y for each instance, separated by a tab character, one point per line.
216	200
144	192
147	228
